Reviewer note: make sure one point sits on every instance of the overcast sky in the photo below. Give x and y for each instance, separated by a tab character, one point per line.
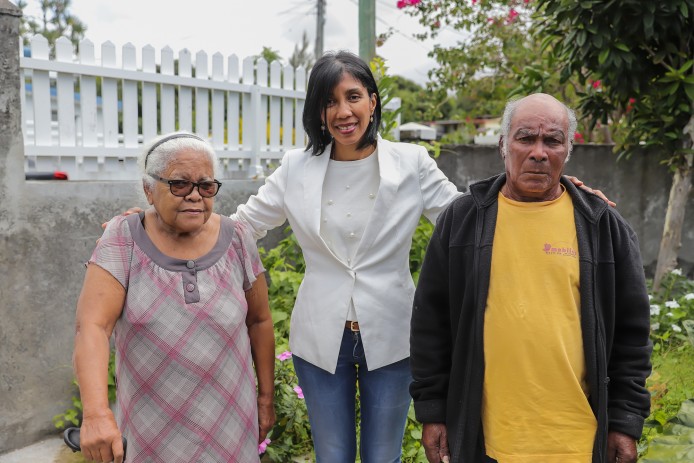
243	27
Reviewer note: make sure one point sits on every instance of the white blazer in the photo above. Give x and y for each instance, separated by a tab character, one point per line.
378	280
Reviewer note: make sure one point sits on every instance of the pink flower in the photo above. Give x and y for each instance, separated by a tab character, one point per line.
512	15
263	446
286	355
474	2
403	3
596	84
299	392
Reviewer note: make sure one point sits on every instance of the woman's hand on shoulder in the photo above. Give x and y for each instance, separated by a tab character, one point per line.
584	187
100	438
132	210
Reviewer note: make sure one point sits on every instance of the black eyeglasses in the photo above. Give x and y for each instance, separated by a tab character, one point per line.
182	188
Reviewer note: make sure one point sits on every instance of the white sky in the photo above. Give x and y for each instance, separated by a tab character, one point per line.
243	27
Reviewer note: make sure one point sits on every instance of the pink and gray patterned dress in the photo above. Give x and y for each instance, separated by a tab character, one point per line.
185	381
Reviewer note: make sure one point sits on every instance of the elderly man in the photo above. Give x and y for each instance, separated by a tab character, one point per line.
530	326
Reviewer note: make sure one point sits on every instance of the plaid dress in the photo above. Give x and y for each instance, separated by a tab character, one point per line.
185	381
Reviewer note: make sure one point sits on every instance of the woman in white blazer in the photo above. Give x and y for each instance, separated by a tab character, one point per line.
353	201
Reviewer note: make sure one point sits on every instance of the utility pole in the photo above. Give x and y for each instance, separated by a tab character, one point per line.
367	29
320	27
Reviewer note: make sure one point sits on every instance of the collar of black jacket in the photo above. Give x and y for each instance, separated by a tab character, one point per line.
485	193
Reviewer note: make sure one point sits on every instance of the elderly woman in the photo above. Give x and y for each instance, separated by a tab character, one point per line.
185	291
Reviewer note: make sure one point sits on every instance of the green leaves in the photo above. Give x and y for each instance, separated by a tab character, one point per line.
689	90
640	51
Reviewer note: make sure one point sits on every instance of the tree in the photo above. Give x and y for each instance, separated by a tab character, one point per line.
55	21
417	103
640	54
269	55
483	68
302	56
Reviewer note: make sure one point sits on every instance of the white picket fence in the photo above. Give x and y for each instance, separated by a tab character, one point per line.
90	119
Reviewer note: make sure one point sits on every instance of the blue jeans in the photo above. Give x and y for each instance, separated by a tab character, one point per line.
331	404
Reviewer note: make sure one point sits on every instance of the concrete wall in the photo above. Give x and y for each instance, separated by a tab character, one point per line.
48	229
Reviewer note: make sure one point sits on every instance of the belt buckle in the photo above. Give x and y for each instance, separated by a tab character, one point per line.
354	326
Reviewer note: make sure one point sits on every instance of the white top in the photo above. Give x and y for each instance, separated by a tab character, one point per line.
349	195
378	281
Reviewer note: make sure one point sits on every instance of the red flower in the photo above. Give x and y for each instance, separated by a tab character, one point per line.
630	104
578	137
596	84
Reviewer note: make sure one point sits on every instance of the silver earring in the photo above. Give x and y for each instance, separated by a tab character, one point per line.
322	127
371	118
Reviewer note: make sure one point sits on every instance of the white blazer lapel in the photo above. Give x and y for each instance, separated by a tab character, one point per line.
314	175
389	171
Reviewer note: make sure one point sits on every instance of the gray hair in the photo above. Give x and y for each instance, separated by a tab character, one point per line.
159	153
510	110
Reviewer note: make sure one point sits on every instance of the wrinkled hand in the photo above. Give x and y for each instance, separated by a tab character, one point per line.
598	193
435	442
620	448
132	210
100	439
266	418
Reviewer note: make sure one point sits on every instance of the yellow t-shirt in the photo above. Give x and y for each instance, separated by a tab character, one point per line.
535	406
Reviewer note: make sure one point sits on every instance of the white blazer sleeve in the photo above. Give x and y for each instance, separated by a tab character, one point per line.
437	190
265	210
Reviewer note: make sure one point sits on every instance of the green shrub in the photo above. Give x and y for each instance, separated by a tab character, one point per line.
291	435
670	308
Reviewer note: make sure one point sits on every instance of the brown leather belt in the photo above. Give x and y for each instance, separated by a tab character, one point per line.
353	326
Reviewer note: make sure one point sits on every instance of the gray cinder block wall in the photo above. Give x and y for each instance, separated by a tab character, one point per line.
48	230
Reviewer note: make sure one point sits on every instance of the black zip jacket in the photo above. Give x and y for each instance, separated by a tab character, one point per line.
446	342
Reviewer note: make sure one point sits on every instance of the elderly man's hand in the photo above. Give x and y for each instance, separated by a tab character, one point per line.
132	210
620	448
435	442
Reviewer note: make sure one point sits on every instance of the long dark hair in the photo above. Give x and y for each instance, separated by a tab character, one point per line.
325	75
